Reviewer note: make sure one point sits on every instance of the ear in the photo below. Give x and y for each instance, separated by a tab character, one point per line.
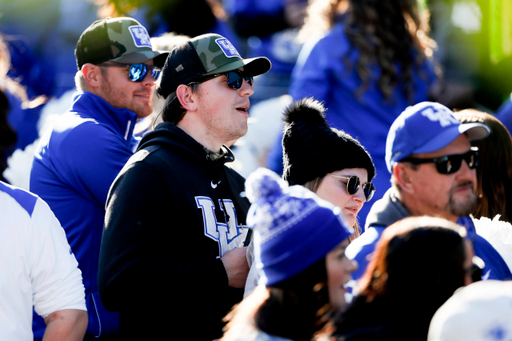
404	177
186	98
92	74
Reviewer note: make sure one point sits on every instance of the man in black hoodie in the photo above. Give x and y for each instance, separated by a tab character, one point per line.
172	259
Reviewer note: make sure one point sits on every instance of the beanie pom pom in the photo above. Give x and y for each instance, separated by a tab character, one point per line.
263	183
307	110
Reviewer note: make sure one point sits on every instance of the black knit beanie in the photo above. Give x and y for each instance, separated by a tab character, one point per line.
312	149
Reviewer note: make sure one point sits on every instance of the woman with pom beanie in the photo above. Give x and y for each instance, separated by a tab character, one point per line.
325	160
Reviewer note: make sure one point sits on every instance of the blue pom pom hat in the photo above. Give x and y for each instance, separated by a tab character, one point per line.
293	228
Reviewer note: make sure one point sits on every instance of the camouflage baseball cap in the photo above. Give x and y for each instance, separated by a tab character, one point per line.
205	55
122	40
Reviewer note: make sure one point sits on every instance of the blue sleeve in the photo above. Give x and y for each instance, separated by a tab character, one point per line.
311	75
361	248
504	114
92	156
495	266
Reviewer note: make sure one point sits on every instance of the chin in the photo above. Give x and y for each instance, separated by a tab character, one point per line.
350	219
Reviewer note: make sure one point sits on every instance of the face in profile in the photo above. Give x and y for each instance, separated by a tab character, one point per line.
334	189
451	194
339	269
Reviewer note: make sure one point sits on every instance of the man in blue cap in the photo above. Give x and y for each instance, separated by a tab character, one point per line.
433	172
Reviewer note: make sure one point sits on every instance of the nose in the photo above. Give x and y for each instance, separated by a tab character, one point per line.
148	78
246	90
354	266
359	195
466	172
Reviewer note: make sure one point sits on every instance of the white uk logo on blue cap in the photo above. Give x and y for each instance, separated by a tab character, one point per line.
439	113
140	36
228	48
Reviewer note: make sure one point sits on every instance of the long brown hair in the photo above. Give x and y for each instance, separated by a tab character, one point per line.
494	170
418	263
389	33
297	308
404	255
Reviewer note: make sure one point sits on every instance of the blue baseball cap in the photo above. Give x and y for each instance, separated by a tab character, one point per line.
424	128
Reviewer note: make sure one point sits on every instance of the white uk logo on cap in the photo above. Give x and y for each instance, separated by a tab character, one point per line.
228	48
440	114
140	36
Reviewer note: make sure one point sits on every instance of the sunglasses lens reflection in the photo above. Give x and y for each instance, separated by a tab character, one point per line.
235	79
137	72
451	164
353	185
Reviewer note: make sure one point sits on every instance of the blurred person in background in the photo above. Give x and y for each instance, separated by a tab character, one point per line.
418	263
7	134
269	28
299	241
23	113
494	169
183	17
493	213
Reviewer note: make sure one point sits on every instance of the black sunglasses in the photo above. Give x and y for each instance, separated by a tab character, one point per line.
353	184
234	78
449	164
137	72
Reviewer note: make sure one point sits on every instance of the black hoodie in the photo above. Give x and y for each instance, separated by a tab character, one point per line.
165	231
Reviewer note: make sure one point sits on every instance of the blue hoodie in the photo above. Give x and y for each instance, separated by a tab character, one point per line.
74	165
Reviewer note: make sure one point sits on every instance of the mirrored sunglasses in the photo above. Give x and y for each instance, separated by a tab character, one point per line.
234	78
353	183
136	72
449	164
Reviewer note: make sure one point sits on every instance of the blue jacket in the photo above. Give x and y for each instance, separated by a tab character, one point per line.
322	72
74	166
389	210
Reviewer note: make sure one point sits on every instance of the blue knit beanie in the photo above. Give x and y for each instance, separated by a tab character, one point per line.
293	228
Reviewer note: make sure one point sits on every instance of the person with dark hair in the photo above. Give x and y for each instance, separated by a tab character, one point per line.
433	172
175	224
299	242
366	60
77	160
7	134
418	264
494	169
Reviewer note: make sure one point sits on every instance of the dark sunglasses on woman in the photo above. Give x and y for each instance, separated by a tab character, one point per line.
353	183
449	164
136	72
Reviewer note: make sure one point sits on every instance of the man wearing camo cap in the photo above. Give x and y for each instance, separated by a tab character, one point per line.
172	260
78	159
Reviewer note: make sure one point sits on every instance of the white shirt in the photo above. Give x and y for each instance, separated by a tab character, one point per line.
37	266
